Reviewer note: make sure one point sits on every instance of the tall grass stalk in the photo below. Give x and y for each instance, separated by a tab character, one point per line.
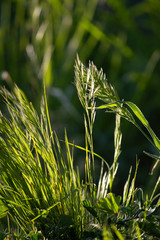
93	83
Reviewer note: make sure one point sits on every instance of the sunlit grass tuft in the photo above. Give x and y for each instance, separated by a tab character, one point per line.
42	194
38	182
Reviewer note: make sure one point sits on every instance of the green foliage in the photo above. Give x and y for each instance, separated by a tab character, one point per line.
130	217
109	204
38	182
94	83
40	39
41	193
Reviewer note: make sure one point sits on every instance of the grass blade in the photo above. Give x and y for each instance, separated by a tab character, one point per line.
144	121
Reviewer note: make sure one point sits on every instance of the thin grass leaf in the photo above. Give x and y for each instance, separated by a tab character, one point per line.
132	187
126	186
117	149
141	117
155	189
111	106
138	232
156	157
119	235
107	235
87	150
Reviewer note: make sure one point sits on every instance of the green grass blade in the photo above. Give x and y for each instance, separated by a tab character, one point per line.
144	121
119	235
111	106
107	235
155	188
131	191
126	186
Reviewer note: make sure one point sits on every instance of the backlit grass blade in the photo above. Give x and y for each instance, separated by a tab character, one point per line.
126	186
131	191
144	121
155	189
109	105
107	234
119	235
87	150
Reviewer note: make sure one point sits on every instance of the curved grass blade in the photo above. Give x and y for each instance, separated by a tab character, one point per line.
109	105
87	150
144	121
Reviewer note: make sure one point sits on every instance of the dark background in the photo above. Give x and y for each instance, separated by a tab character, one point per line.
40	39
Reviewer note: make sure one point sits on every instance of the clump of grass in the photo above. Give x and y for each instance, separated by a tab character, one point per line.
38	185
40	190
41	193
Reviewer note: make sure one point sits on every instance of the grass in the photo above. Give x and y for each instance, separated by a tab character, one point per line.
32	180
43	195
46	35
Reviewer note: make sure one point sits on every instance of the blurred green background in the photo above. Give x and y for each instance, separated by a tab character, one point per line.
39	39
